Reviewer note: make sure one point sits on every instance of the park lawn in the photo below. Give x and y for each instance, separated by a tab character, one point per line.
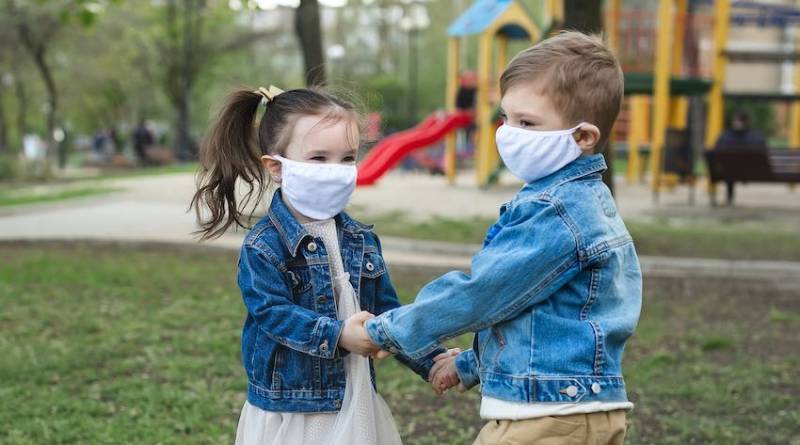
185	167
114	344
726	241
21	195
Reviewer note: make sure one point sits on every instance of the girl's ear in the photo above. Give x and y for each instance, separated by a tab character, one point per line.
273	167
587	136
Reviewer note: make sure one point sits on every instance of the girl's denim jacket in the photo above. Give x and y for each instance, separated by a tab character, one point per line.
291	333
553	296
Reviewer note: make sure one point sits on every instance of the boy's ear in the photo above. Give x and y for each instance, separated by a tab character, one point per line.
273	167
587	136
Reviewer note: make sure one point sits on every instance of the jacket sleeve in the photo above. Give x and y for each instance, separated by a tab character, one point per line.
533	255
385	300
268	299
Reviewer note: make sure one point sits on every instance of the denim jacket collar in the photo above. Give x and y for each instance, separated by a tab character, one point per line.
579	168
292	232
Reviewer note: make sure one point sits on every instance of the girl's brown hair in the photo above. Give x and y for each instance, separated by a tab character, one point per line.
232	151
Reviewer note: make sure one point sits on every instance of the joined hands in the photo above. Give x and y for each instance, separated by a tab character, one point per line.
444	375
354	338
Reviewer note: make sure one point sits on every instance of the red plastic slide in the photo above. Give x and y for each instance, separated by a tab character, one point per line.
390	150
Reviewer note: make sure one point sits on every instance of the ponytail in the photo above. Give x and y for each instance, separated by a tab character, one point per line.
228	154
232	151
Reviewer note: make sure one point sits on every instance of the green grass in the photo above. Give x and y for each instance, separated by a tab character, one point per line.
30	195
140	345
727	241
189	167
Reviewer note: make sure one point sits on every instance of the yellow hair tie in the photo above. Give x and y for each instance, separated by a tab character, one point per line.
268	94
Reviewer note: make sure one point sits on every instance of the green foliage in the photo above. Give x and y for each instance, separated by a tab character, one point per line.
21	196
8	167
762	114
386	95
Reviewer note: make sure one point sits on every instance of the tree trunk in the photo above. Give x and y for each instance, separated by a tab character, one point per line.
38	51
185	144
583	15
587	16
307	28
22	106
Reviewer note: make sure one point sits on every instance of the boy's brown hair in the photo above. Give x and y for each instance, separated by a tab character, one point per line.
578	73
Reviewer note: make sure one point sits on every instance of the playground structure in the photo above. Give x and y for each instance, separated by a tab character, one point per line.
495	22
663	53
658	97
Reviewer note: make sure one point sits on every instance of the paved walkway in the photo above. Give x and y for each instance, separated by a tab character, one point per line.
155	208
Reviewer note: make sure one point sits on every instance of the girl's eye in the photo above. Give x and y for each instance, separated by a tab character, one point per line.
525	124
318	158
349	159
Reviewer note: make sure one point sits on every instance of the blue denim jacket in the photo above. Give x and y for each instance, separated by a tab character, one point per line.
553	296
291	333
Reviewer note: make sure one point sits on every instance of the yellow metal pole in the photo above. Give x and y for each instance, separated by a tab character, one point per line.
500	66
637	126
679	106
483	111
722	9
794	114
453	63
661	89
612	24
502	55
556	9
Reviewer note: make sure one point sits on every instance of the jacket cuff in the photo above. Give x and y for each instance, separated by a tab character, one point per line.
467	367
376	329
423	365
329	332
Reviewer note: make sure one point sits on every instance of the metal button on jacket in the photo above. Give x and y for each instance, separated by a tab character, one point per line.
312	246
596	388
370	266
572	391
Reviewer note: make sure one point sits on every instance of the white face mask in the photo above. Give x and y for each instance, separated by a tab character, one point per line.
532	155
318	191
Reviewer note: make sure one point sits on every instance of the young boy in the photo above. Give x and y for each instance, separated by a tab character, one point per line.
555	291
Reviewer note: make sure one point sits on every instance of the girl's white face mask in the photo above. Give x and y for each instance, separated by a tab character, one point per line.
532	155
318	191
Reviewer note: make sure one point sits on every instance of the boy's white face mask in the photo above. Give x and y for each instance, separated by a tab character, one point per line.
318	191
532	155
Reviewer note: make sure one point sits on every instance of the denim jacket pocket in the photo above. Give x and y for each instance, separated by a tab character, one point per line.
495	344
300	282
293	369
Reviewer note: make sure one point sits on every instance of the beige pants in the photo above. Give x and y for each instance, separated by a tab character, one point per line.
605	428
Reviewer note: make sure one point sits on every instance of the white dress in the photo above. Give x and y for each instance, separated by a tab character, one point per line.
364	418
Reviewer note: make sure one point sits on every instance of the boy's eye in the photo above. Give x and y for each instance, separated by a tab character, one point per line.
525	124
349	159
318	159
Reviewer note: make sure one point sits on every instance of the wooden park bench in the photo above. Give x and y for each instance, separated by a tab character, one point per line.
743	164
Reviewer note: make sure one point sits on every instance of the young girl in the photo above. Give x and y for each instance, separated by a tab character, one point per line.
309	274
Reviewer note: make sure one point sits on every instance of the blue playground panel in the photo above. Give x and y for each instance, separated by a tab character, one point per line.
480	15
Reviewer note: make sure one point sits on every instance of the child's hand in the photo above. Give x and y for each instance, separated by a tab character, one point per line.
354	336
443	375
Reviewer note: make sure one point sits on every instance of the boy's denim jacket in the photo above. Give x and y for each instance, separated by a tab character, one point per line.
291	333
553	295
